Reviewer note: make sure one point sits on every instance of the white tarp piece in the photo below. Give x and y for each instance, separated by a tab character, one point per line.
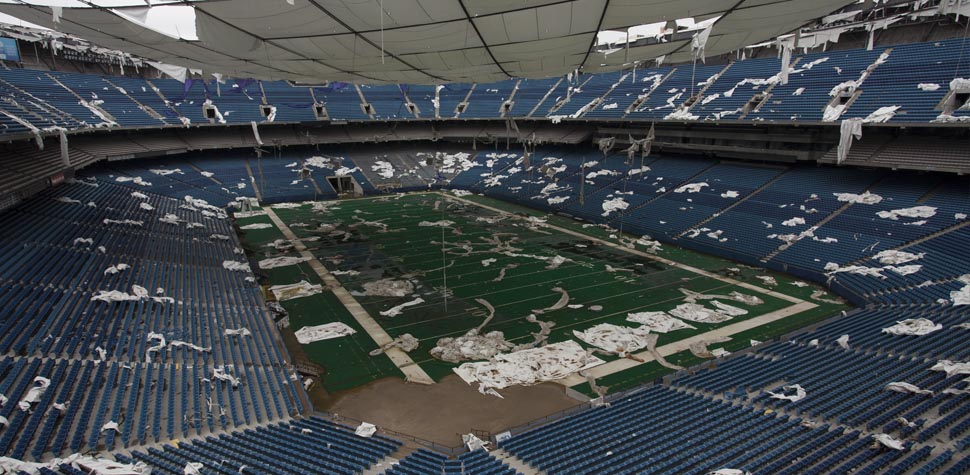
222	374
116	269
901	387
236	266
193	468
110	425
283	261
255	225
398	309
888	441
960	297
365	429
892	256
326	331
615	339
659	322
691	187
913	326
33	395
798	396
527	367
698	313
85	464
295	291
865	198
882	114
951	367
850	128
237	332
843	341
614	204
914	212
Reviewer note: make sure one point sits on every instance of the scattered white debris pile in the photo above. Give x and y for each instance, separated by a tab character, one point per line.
614	339
138	293
256	226
283	261
833	268
388	288
406	342
396	310
892	256
136	180
116	269
659	322
698	313
474	443
527	367
691	187
865	198
235	266
800	393
326	331
365	429
471	346
914	212
796	221
913	326
83	464
888	441
681	114
614	204
295	291
907	388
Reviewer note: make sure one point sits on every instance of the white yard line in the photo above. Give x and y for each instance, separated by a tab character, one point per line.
412	372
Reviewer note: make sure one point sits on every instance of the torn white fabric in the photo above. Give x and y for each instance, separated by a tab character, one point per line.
796	221
659	322
474	443
444	223
901	387
561	303
110	425
892	256
398	309
406	342
731	471
615	339
283	261
843	341
699	348
255	225
365	429
730	194
850	128
236	266
116	269
222	373
243	331
951	367
832	268
691	187
960	297
882	114
865	198
388	288
913	326
294	291
615	204
800	393
927	86
698	313
914	212
130	222
888	441
193	468
36	391
326	331
471	346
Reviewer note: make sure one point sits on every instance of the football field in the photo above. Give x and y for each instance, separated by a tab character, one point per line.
426	265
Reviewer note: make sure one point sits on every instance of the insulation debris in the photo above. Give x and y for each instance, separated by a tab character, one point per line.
767	280
236	266
283	261
615	204
882	114
927	87
843	341
527	367
698	313
326	331
951	367
614	339
729	194
396	310
116	269
388	288
256	226
294	291
691	187
901	387
832	268
238	332
888	441
800	393
365	429
961	297
913	326
914	212
796	221
891	256
222	374
659	322
33	395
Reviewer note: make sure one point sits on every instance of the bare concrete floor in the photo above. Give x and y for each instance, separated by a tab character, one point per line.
442	412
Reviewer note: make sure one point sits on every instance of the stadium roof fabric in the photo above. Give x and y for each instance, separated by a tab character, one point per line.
422	41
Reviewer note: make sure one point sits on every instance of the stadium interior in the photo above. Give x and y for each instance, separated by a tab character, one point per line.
484	237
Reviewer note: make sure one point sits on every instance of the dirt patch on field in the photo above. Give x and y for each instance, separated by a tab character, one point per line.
442	412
